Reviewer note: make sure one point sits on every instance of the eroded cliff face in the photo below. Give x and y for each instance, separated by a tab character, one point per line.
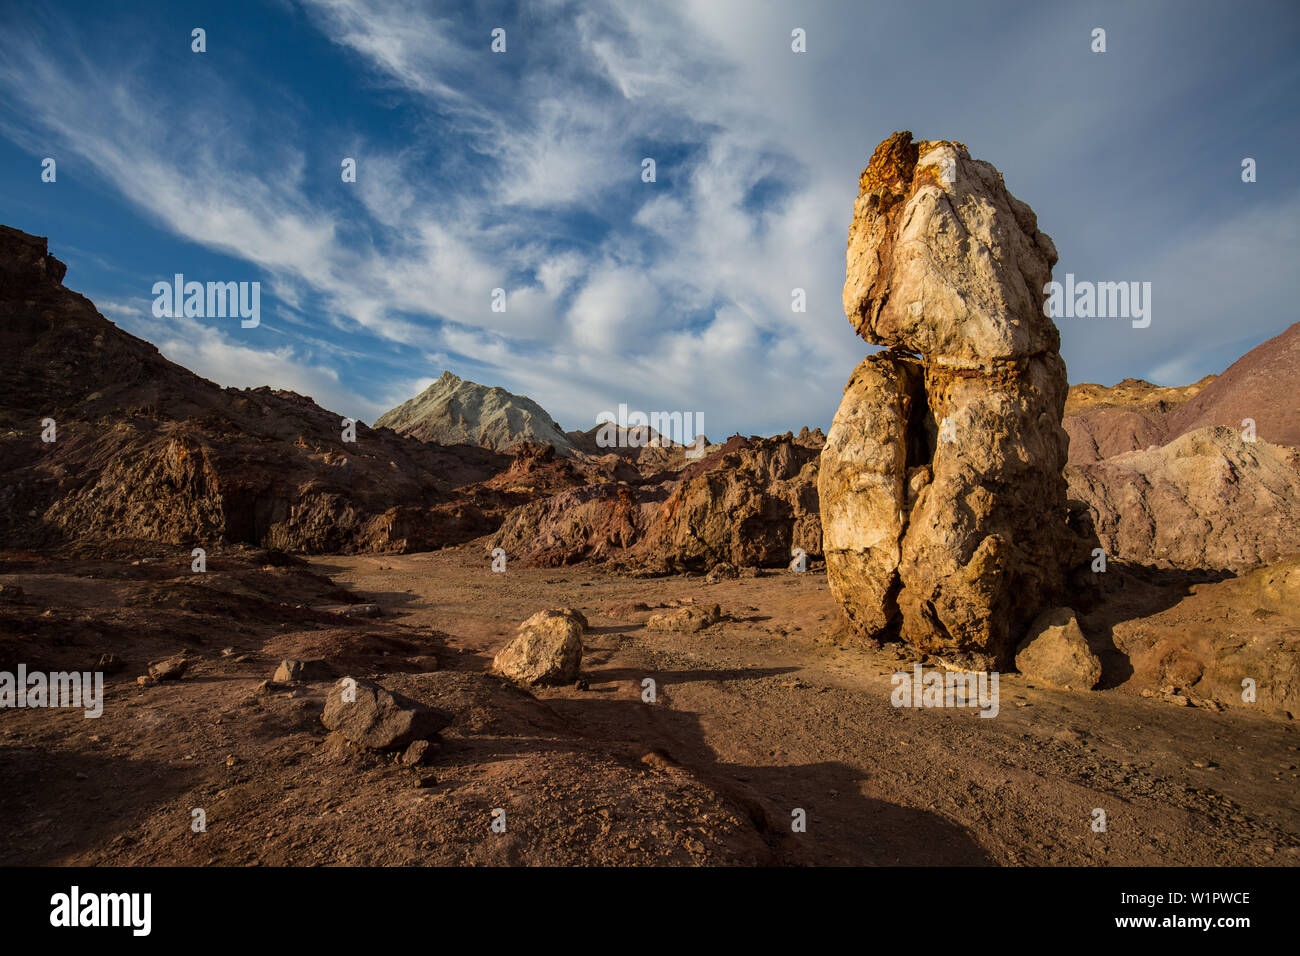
942	499
146	450
751	502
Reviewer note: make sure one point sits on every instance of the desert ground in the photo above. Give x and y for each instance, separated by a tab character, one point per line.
774	708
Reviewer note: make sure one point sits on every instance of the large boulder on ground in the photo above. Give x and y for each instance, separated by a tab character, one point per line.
378	718
1056	652
548	648
943	507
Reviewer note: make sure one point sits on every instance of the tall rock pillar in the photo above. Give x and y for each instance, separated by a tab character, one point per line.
942	497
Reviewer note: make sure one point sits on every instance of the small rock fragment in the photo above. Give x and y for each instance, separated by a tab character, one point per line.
350	610
723	571
170	669
420	752
688	619
626	609
292	669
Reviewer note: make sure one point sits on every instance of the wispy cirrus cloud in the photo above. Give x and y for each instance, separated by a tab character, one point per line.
522	171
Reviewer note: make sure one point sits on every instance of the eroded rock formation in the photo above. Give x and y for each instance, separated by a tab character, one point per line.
749	502
943	506
754	502
147	450
1208	500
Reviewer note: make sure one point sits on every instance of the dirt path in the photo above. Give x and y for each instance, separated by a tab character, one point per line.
764	714
767	708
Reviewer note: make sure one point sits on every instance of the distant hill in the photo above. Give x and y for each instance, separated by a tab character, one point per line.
1262	385
1129	393
1134	415
453	411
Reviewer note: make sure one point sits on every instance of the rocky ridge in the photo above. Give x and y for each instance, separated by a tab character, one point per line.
145	449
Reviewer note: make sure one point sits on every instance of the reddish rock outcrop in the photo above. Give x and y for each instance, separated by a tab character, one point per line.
1135	415
145	449
1261	385
753	503
749	502
1207	500
1104	432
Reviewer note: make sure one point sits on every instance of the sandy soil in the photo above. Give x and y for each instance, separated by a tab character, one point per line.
770	711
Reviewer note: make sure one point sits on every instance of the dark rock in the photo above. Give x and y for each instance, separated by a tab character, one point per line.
378	718
303	670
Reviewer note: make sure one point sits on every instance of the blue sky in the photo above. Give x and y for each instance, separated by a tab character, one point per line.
522	170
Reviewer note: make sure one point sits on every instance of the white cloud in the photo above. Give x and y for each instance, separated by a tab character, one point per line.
522	172
210	354
120	310
616	311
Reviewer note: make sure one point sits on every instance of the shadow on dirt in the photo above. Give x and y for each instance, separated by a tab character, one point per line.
1125	592
37	834
843	827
